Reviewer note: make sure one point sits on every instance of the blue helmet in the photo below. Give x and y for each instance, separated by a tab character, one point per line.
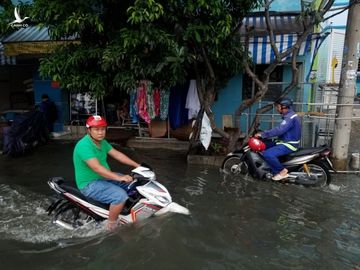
284	102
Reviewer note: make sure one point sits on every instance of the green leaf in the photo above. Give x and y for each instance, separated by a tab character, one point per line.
197	36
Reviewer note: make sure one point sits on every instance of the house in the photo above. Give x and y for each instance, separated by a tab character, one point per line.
330	56
329	59
16	91
22	86
284	17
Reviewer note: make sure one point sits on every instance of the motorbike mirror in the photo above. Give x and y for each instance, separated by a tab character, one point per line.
143	164
144	172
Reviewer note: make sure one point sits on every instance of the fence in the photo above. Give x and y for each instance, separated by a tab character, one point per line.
318	117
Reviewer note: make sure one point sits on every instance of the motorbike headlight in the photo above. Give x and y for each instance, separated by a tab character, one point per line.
162	199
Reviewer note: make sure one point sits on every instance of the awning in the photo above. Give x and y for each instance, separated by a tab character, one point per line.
286	26
33	48
262	53
6	60
32	40
282	23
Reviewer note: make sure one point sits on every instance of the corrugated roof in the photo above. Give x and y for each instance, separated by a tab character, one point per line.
281	24
31	34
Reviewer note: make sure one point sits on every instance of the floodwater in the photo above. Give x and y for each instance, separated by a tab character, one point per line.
235	223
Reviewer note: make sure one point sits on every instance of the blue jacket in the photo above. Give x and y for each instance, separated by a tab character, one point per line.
289	130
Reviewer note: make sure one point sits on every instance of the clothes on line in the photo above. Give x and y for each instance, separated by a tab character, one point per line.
148	103
192	100
179	104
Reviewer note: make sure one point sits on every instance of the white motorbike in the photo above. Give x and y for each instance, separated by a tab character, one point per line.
147	198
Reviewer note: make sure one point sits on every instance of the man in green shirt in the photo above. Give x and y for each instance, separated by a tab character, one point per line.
93	175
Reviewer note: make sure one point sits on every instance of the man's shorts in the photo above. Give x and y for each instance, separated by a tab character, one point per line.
106	191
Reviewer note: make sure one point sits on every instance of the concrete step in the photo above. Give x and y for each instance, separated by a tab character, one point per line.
162	143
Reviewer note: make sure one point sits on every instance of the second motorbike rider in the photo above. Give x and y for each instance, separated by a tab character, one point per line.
288	134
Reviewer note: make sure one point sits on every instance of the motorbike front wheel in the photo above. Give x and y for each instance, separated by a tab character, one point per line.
321	172
234	165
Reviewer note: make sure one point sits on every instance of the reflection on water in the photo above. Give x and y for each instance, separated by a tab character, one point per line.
235	222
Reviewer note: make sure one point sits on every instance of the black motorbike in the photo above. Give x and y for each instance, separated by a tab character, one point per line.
306	166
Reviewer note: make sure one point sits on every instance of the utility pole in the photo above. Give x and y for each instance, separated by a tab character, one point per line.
340	144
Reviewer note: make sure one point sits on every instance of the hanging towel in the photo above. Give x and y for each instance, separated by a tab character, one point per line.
133	108
192	100
156	97
164	104
150	103
141	103
206	131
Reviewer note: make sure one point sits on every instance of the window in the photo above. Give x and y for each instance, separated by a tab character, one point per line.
249	88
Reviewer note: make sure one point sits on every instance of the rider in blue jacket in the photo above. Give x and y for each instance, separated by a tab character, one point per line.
288	134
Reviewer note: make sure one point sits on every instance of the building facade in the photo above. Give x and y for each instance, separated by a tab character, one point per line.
284	18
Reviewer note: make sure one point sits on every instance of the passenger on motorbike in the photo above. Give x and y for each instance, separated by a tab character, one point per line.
93	175
288	134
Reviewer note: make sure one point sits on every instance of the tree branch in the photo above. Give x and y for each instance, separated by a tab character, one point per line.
270	29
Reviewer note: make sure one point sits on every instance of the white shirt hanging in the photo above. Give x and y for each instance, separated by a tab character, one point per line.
192	100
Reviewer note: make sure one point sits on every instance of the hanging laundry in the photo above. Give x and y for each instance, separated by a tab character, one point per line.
156	98
164	104
206	131
141	102
133	107
150	103
192	100
178	114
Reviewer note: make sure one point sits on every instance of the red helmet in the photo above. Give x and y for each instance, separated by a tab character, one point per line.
96	121
256	144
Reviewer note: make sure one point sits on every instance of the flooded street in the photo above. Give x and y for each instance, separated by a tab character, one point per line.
235	223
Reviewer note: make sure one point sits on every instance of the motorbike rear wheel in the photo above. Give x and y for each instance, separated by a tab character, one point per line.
321	171
69	216
234	165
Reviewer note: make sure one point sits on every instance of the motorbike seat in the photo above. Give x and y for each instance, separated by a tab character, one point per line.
307	151
71	188
76	192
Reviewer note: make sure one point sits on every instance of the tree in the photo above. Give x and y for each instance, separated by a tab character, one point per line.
78	66
163	41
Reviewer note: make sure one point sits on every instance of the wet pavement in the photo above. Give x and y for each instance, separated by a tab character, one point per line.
235	223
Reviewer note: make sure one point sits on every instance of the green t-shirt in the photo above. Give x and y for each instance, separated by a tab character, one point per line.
86	149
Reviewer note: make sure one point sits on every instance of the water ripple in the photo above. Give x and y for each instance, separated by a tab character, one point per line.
197	188
23	218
